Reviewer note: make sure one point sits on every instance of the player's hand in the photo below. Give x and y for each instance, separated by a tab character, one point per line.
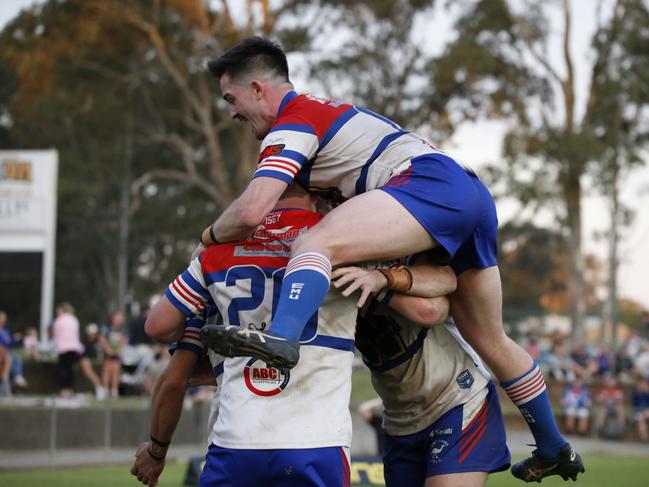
368	281
200	248
146	468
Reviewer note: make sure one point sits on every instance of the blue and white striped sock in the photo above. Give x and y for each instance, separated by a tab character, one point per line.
305	285
529	393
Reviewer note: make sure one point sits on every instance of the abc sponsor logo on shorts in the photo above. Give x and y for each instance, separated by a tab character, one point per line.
262	380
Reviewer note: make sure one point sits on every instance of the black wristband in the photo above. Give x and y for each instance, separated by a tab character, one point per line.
161	444
155	457
212	236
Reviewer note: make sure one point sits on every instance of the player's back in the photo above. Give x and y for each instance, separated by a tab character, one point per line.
336	148
261	407
419	373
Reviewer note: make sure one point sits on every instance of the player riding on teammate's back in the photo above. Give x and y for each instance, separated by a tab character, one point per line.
405	196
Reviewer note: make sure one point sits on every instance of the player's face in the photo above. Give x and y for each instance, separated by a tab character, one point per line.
247	104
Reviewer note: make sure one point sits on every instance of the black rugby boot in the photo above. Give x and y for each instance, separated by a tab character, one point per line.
234	341
534	469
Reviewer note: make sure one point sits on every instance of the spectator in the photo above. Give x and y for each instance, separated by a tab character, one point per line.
641	363
112	341
560	365
136	334
142	352
645	324
576	404
7	340
602	362
583	364
156	367
30	343
610	413
533	348
623	366
640	402
5	368
91	351
65	331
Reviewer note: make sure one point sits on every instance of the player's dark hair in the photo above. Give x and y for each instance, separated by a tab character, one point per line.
252	54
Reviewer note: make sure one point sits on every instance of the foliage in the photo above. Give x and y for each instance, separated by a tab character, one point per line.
499	67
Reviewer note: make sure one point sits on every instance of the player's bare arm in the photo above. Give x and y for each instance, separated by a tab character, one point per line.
165	322
426	312
427	281
166	407
245	213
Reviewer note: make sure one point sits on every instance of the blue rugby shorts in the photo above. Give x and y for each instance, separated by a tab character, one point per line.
447	448
304	467
454	207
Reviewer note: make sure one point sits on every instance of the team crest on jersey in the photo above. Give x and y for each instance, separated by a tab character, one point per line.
437	450
465	379
271	150
262	380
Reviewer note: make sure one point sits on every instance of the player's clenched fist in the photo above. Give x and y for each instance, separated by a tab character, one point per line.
146	468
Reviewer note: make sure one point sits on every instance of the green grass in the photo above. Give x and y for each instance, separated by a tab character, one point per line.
362	388
602	471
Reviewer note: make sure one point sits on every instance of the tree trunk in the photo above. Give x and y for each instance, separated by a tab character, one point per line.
572	192
612	254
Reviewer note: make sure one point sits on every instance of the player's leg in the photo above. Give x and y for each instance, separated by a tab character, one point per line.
370	226
404	459
467	443
235	468
465	479
434	202
310	467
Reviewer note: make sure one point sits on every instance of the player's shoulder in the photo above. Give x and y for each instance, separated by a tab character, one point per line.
315	112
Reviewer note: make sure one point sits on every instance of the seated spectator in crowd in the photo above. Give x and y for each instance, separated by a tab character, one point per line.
623	366
533	348
576	404
92	351
583	364
156	367
65	331
559	363
5	368
610	409
30	343
640	402
641	362
602	362
112	341
136	334
7	340
141	344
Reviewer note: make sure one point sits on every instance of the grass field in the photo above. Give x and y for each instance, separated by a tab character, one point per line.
602	471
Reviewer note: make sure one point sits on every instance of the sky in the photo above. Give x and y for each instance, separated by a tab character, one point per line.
479	144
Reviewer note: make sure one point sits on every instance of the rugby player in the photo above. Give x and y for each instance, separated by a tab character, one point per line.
442	422
398	196
268	431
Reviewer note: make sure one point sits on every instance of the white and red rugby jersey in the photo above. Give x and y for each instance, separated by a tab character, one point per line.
334	148
260	407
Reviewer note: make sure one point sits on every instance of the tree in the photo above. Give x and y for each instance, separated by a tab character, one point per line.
119	88
620	119
500	67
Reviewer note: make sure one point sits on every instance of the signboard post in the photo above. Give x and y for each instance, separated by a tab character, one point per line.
28	185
